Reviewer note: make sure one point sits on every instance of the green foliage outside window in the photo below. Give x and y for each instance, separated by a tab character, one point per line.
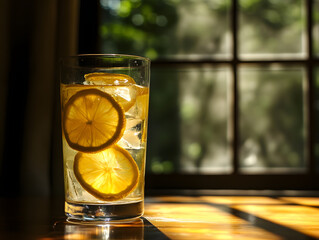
187	131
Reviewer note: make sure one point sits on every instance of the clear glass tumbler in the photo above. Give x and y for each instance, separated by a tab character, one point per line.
104	109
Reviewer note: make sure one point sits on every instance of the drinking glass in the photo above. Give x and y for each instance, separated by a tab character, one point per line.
104	110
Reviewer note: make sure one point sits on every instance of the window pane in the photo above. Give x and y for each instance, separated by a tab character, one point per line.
316	27
272	29
272	119
189	114
163	147
316	106
166	29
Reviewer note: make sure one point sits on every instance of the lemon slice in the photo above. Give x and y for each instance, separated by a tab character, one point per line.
92	121
101	78
108	175
68	90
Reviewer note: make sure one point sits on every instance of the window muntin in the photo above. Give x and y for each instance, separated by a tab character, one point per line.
316	115
315	28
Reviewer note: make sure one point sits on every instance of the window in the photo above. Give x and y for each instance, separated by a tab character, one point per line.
234	89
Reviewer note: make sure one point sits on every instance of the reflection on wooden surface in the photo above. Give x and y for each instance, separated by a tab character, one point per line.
171	217
301	218
241	200
66	230
198	221
308	201
235	217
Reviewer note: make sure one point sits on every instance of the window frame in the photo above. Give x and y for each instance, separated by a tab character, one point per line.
308	180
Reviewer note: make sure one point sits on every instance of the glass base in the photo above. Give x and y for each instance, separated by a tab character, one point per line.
79	212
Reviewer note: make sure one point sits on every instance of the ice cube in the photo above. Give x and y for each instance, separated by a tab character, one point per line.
140	107
132	134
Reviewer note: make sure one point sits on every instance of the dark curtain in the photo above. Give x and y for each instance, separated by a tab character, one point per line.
34	34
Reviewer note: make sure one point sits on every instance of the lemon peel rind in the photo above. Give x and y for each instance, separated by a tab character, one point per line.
117	134
105	196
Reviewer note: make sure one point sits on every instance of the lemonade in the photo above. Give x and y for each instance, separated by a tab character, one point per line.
104	126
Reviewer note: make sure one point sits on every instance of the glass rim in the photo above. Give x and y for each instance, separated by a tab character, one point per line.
107	55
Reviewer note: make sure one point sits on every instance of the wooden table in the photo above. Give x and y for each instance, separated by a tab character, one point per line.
171	217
